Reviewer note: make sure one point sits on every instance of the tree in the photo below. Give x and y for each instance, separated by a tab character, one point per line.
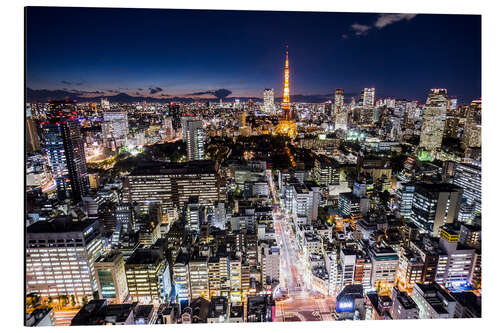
50	301
84	300
384	197
32	299
73	301
63	300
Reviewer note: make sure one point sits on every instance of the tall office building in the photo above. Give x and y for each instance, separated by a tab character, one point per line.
472	130
174	111
115	128
193	214
403	306
32	138
468	177
181	277
339	100
169	128
433	119
451	127
172	184
435	205
111	278
341	120
218	275
194	139
148	276
433	301
60	257
368	97
405	195
198	277
64	145
457	266
219	215
270	264
269	101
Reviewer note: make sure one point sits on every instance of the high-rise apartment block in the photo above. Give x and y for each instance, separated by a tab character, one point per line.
194	139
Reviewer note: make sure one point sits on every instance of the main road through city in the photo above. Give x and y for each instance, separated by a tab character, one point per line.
302	303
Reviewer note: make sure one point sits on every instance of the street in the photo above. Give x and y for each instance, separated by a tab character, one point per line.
300	304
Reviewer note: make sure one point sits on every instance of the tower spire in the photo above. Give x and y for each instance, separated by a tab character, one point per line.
285	105
286	125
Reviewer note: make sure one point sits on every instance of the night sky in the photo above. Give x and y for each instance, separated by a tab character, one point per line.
183	52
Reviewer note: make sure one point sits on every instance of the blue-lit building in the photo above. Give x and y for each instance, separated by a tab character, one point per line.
66	153
350	303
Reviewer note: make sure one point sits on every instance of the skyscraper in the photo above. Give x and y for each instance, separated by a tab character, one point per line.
32	139
431	135
339	100
472	132
268	101
468	177
66	153
169	128
194	139
368	97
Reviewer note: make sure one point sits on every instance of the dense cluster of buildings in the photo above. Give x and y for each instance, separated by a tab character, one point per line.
381	208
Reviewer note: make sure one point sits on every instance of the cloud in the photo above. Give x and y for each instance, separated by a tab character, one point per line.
385	19
164	95
199	93
140	89
155	90
219	93
360	29
69	83
382	21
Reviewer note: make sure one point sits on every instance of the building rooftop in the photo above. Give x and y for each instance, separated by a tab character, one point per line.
143	256
436	187
109	257
161	168
60	224
99	312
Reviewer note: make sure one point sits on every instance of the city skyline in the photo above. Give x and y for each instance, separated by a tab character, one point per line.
239	58
219	208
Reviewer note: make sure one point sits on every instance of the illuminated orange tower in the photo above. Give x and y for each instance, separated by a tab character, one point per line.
285	104
286	125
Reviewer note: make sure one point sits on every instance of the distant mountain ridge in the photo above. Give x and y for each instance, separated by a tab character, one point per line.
44	95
